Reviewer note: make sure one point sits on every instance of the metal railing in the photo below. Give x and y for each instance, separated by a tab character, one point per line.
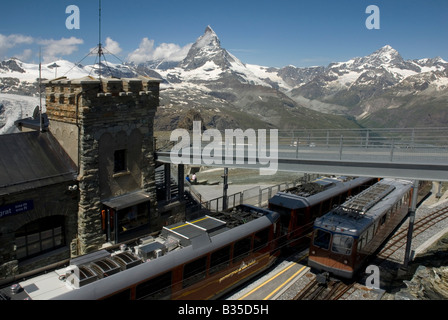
407	145
256	196
392	144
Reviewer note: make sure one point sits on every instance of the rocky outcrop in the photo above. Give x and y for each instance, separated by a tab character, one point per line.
430	279
427	284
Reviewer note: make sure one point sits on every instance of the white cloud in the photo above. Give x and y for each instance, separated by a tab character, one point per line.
51	49
54	49
11	41
112	46
165	51
14	40
25	55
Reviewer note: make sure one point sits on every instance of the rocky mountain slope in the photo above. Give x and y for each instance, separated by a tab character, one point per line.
378	90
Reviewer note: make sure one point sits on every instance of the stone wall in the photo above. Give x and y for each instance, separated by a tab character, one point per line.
48	201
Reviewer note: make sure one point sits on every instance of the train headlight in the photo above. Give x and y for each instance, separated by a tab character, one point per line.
313	252
345	261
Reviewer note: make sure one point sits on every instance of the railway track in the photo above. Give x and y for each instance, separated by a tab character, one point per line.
399	239
331	290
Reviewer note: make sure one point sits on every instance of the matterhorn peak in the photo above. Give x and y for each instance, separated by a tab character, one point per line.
209	30
206	48
208	39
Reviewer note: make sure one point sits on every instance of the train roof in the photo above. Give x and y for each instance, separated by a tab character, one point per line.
95	275
356	214
329	188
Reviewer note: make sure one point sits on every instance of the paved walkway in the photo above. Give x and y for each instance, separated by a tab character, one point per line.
210	192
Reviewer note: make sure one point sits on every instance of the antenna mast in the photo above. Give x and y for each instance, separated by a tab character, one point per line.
40	90
100	50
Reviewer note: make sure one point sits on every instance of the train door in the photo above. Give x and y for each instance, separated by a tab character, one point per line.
300	223
285	222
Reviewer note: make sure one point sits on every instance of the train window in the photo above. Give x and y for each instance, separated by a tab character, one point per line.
155	288
285	215
241	249
326	206
261	239
383	219
315	211
361	242
195	271
123	295
322	239
342	244
219	259
369	234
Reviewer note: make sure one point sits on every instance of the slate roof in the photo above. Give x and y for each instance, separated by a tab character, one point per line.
31	160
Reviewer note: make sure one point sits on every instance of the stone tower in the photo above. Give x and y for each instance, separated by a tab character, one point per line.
106	127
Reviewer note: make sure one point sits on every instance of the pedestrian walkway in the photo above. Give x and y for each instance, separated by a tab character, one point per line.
210	192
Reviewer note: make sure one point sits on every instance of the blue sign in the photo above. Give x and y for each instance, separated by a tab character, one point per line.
15	208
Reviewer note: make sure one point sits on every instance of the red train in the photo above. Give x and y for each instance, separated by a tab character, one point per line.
300	206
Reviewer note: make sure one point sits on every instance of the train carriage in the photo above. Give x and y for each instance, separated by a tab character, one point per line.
299	208
345	237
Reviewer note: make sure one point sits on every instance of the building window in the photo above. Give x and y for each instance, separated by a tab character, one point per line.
120	161
39	237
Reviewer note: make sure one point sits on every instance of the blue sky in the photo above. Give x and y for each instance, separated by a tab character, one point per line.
271	33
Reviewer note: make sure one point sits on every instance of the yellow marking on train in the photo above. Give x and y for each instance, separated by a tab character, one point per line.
269	280
186	224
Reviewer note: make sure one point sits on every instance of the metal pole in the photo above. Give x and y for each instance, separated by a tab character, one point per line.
340	147
367	138
297	148
167	178
116	225
224	189
392	150
40	91
411	223
108	224
181	180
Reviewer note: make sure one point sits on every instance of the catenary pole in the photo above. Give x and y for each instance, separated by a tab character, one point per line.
407	256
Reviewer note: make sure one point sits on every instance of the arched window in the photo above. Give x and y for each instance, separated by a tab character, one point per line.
40	236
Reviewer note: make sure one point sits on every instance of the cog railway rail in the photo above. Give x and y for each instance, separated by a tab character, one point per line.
334	289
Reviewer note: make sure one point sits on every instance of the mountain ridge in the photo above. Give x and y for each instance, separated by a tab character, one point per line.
211	78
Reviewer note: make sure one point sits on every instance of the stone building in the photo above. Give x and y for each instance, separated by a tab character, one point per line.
106	127
38	202
102	129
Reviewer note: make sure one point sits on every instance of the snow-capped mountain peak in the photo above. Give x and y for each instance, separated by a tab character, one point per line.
385	55
206	49
210	75
208	39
